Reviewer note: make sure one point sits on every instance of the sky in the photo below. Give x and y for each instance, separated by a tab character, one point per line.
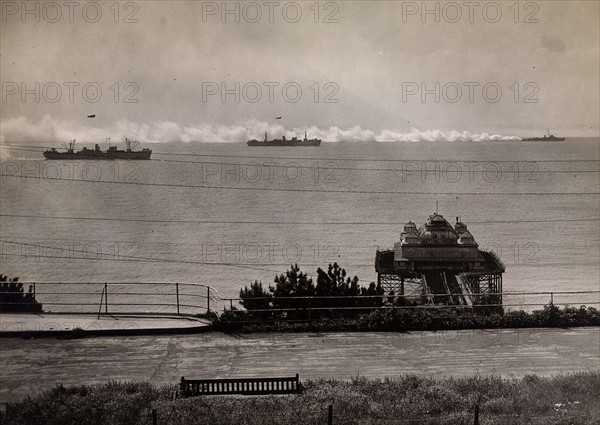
365	70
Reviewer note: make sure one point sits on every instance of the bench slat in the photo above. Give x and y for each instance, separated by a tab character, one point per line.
245	386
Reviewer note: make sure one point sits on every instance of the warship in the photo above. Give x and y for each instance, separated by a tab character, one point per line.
547	138
294	141
112	153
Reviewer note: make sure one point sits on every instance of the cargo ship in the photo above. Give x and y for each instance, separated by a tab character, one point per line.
112	153
294	141
547	138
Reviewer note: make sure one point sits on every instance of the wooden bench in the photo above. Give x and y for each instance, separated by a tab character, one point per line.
244	386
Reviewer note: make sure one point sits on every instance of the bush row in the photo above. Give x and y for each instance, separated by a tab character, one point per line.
417	319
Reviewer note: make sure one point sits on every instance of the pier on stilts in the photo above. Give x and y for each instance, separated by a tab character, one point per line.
438	263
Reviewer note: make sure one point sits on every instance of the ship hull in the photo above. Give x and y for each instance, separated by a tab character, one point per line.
542	139
285	143
95	155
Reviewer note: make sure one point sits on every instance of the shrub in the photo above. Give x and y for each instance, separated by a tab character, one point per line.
517	319
14	299
256	298
337	296
429	319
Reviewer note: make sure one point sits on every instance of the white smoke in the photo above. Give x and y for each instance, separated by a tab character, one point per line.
49	130
440	136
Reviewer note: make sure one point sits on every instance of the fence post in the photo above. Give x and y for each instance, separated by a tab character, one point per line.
154	417
34	299
101	302
330	415
551	298
309	309
476	412
177	289
208	299
105	298
183	387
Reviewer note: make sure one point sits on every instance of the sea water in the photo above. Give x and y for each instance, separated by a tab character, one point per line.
226	215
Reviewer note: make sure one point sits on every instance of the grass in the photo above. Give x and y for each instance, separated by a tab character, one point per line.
563	399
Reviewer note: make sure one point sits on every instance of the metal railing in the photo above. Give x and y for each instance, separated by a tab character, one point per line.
177	298
152	298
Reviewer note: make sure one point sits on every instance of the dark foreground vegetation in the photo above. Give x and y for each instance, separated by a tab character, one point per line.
337	295
417	319
14	299
565	399
338	303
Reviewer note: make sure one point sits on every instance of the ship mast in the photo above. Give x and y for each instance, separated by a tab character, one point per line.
71	147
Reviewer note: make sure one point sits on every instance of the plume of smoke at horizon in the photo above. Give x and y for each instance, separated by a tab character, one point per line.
48	130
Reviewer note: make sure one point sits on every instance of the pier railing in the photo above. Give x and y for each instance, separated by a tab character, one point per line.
152	298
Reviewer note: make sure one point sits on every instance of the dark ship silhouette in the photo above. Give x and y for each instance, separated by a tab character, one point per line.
547	138
294	141
96	153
